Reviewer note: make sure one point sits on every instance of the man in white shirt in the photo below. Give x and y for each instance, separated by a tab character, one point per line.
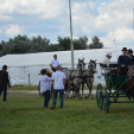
58	79
54	63
107	60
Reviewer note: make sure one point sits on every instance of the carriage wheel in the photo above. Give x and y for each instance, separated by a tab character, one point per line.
99	96
106	102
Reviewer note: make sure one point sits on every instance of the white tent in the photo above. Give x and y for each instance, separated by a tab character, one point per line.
24	68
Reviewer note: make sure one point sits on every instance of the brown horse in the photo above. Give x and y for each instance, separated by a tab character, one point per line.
130	76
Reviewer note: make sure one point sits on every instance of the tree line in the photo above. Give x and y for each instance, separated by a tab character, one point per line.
22	44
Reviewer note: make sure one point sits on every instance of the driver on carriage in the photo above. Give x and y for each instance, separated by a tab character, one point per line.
124	62
54	63
107	61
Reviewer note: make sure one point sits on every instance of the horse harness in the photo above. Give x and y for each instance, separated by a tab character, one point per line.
81	77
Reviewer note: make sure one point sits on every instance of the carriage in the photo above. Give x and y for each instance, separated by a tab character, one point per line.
116	87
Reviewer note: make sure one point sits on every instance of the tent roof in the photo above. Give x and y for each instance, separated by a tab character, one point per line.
64	57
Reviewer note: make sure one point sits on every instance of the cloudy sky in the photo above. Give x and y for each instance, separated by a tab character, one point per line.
107	19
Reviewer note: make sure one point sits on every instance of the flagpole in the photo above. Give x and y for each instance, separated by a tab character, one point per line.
71	33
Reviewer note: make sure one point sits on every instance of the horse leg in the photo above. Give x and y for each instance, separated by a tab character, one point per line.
69	95
77	92
82	89
90	90
73	91
91	97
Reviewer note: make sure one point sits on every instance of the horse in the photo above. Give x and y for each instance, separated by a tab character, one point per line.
88	77
130	77
74	78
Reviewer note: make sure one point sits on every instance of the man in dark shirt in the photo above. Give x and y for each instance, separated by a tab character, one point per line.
4	81
124	62
130	55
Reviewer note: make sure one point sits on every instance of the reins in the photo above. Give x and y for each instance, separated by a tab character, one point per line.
81	77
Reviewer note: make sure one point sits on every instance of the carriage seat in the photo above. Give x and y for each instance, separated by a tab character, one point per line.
112	65
111	71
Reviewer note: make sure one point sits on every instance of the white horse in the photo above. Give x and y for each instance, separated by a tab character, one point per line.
74	78
88	77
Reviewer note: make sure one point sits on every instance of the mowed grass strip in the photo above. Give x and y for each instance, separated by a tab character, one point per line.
21	87
24	114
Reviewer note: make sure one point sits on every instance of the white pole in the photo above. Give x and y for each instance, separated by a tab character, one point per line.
71	33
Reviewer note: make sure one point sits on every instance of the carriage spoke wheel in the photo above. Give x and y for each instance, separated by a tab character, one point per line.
106	102
99	96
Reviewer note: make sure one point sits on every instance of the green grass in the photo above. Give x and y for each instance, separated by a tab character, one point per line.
20	87
24	114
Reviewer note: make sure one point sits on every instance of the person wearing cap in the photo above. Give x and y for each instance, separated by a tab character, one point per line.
107	61
54	63
124	62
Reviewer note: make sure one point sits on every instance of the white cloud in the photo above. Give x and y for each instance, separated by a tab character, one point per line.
121	36
116	19
116	14
13	31
0	31
112	18
44	8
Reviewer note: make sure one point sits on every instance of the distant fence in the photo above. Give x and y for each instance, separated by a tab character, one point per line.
29	75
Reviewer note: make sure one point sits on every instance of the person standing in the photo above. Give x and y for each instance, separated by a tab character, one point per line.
4	81
124	62
45	87
58	80
54	63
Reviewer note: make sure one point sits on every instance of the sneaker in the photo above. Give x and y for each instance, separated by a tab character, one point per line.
46	108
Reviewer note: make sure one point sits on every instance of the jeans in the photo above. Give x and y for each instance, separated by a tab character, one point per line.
61	97
46	98
4	88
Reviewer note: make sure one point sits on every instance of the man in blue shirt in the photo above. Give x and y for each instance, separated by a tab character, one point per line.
124	62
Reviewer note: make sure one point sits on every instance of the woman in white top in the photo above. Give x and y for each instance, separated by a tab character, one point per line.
45	87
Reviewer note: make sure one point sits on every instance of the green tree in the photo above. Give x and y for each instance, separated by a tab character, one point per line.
79	44
22	44
95	43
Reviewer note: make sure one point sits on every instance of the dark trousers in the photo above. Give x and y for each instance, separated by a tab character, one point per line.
4	88
61	97
123	71
46	98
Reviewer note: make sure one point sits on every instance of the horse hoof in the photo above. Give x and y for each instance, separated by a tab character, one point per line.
86	97
91	98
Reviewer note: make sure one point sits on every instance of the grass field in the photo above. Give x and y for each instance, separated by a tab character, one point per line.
21	87
24	114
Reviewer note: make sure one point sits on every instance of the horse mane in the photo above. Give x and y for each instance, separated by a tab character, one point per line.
94	62
130	72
